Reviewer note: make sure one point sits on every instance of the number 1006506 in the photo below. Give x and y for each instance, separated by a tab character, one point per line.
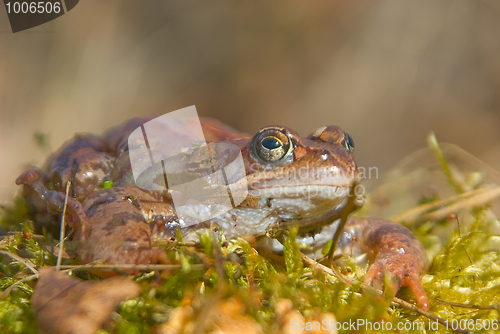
33	7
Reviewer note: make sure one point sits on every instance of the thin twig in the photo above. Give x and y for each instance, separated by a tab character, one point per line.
444	208
480	307
63	228
140	267
350	282
351	206
7	291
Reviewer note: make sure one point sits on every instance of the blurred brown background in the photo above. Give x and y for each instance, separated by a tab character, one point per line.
388	72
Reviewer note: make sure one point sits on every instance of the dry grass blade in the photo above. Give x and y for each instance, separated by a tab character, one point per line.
442	209
433	144
479	307
351	206
63	228
7	291
27	263
140	267
350	282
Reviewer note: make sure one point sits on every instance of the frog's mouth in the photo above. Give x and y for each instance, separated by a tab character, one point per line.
269	215
311	182
274	198
296	196
312	191
297	202
314	212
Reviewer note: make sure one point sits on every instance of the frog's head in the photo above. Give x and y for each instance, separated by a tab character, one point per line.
300	177
280	163
288	177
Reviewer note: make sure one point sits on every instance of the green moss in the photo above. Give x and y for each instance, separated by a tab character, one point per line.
16	315
13	216
107	184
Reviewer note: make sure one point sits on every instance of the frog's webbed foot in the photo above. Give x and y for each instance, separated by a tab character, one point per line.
403	270
55	200
393	249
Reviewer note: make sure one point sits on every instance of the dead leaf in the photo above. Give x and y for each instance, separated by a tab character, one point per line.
64	304
225	317
290	321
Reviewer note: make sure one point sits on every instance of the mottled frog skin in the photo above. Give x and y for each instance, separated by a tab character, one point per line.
288	178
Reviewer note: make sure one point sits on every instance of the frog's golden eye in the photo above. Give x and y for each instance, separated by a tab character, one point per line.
348	143
272	145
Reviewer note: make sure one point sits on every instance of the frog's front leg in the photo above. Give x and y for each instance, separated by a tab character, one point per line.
391	248
55	200
121	219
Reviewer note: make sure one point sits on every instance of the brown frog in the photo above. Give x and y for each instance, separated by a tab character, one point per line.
286	178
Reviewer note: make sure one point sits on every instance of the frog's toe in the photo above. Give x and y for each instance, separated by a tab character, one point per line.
375	275
400	274
413	282
29	176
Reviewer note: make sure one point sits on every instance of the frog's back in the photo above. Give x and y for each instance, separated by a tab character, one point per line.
214	131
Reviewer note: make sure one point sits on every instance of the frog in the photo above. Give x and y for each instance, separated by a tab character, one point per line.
287	178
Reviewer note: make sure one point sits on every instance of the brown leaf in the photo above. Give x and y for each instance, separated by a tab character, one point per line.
64	304
224	317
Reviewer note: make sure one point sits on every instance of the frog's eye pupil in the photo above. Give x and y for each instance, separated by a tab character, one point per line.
348	142
271	143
